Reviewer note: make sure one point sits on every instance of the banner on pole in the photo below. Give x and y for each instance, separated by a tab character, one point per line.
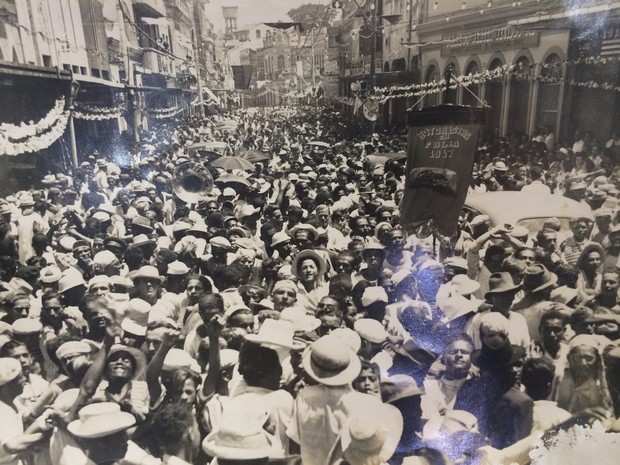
440	156
358	104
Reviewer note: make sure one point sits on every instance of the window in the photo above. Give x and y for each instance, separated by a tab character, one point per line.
47	61
95	72
105	75
83	70
258	34
473	91
76	69
432	74
66	67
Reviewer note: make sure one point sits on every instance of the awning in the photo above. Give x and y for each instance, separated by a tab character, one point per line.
287	25
16	69
95	80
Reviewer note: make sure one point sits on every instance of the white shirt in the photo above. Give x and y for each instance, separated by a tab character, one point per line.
11	427
518	333
537	187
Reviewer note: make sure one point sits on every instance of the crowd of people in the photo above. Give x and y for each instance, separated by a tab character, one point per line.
284	316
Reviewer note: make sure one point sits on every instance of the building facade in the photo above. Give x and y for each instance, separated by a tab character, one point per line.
545	63
121	66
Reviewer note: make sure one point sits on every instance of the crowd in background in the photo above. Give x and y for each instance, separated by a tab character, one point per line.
286	317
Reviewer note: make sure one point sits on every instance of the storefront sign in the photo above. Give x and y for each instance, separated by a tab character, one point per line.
489	41
440	157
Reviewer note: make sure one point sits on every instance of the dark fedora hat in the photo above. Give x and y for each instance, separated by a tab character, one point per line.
538	278
501	283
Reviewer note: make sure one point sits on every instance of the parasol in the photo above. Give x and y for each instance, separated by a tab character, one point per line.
254	156
233	163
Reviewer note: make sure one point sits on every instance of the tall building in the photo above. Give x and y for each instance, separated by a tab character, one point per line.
230	19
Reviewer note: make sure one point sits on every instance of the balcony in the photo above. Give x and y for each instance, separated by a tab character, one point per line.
149	8
156	61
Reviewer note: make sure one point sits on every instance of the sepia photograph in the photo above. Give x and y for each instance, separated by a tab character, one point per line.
309	232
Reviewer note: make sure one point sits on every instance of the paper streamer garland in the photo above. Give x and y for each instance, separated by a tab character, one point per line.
32	137
94	113
163	113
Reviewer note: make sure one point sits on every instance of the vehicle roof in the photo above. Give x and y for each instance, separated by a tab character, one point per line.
511	207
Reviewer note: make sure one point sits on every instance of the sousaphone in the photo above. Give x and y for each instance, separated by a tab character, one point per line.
192	181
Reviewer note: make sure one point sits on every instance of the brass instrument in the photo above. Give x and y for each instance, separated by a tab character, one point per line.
192	181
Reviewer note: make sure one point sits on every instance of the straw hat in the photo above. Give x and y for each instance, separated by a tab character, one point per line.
136	317
275	333
370	330
238	438
50	274
311	254
147	272
100	419
462	284
300	319
372	434
69	280
331	362
137	355
312	231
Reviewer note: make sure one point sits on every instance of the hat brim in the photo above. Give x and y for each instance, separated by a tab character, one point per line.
132	327
247	287
258	339
123	420
467	288
322	266
137	355
144	276
234	453
340	379
508	290
142	243
552	282
313	233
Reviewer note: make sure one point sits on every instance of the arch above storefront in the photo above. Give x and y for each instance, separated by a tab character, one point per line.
496	60
432	74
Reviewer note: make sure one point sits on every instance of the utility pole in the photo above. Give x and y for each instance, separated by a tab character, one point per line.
410	8
373	55
373	49
75	86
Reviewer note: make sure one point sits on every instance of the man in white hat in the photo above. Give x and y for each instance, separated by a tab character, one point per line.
101	438
333	365
28	223
14	440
